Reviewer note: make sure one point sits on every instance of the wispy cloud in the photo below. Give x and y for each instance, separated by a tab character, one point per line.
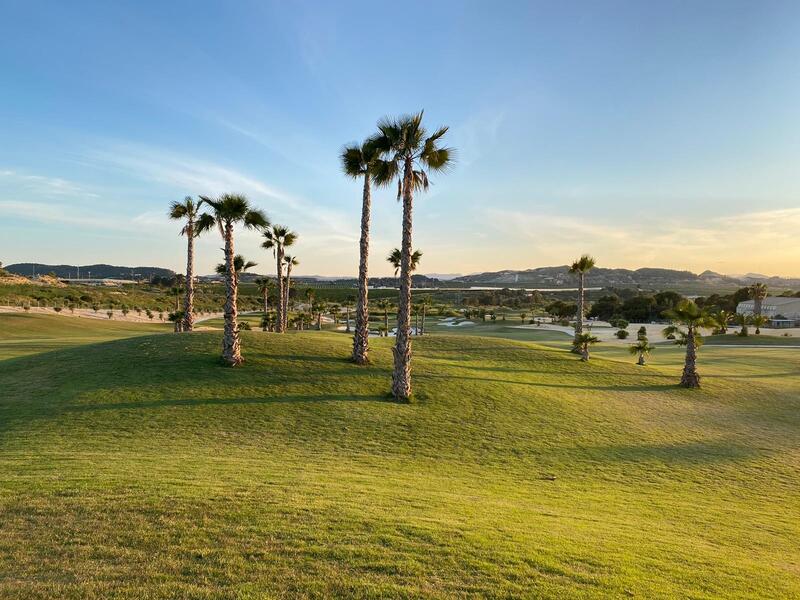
52	186
50	212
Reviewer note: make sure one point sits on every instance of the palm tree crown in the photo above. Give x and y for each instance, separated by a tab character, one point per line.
239	265
189	210
395	259
278	236
230	209
403	140
357	161
583	265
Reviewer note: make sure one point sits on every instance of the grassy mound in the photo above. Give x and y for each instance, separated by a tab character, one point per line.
143	468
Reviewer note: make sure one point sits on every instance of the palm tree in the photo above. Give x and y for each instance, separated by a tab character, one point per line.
317	308
357	161
190	211
348	304
176	291
758	291
395	259
384	305
642	348
580	267
722	319
409	155
240	264
424	302
687	314
582	343
290	262
277	238
228	210
743	321
265	287
759	321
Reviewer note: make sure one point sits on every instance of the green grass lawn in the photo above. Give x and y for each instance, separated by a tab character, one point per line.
23	333
141	468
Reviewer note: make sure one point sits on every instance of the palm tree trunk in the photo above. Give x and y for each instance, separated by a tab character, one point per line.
579	315
188	302
319	321
279	327
641	361
231	352
690	377
386	321
585	353
285	298
266	300
401	377
361	336
757	302
422	330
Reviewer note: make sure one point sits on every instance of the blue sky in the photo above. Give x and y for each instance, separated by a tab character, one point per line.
649	134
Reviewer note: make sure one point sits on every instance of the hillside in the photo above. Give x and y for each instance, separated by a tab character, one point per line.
98	271
518	471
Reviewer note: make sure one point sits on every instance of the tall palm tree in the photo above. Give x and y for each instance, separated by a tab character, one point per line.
357	161
582	344
290	262
227	211
384	305
409	154
642	348
580	267
687	314
758	291
277	238
395	259
265	287
189	211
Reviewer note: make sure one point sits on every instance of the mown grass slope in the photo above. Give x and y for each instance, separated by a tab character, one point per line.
142	468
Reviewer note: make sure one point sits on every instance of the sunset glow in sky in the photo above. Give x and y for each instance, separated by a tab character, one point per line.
647	134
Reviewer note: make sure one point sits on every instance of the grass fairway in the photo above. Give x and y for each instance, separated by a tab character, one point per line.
23	333
517	472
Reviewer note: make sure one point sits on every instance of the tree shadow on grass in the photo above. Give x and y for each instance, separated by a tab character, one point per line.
190	402
705	451
588	386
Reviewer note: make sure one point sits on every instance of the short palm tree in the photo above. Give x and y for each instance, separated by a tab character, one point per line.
277	238
227	211
408	155
758	291
582	344
189	212
722	319
580	268
240	265
687	314
357	161
759	321
348	305
743	321
290	262
642	348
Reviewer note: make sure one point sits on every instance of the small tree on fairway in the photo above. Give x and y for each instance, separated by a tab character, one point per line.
189	211
743	321
277	238
582	344
689	316
758	291
758	322
642	348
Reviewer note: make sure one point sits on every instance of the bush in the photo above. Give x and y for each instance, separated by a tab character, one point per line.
618	321
622	334
244	326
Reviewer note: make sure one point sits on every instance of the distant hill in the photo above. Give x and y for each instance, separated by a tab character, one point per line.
99	271
647	277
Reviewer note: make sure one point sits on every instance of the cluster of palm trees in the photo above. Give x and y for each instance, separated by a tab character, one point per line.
225	213
401	152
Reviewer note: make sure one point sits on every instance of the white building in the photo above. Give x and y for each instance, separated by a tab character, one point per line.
772	307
